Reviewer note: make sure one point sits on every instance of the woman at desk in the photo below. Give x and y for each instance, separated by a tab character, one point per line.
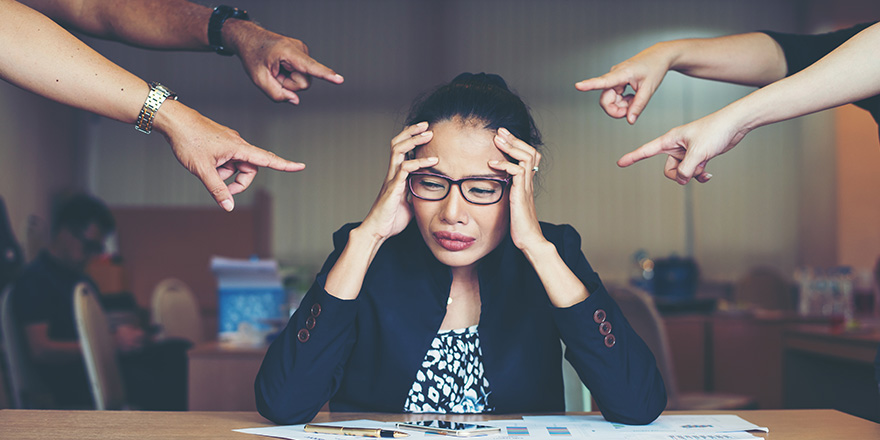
451	296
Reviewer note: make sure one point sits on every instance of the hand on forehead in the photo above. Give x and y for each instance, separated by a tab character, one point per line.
463	149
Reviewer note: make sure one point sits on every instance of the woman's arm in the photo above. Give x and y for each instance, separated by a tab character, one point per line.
561	284
304	366
609	357
750	59
389	215
43	58
847	74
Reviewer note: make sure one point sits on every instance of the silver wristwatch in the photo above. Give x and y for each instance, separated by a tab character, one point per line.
158	95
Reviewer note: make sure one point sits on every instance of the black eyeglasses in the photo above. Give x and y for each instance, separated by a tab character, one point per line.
476	190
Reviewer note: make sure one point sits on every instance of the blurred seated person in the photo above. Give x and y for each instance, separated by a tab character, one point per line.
154	373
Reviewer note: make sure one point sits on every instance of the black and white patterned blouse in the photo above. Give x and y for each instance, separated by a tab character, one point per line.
451	379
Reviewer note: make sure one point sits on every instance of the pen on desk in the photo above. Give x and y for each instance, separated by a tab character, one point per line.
363	432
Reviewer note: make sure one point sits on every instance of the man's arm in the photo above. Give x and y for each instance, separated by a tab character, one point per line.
46	350
155	24
749	59
70	72
280	66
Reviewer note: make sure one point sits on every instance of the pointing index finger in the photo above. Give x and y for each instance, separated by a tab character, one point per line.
262	158
316	69
650	149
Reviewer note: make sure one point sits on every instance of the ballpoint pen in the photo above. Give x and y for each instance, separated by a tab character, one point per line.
363	432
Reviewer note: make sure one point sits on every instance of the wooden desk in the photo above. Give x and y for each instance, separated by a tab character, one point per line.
221	377
825	369
732	352
217	425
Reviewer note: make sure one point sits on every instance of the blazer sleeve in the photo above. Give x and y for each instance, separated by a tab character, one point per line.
609	357
303	367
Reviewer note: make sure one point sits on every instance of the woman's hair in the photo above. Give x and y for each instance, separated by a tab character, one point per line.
482	97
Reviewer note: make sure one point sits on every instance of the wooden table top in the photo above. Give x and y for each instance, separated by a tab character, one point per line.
860	346
218	425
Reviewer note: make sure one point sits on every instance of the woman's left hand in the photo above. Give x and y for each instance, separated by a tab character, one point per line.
524	227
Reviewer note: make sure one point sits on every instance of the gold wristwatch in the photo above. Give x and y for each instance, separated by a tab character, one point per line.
158	95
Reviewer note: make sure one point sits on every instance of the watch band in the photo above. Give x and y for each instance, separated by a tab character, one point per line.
215	26
158	94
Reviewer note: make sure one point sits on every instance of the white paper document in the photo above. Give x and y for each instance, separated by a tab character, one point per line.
683	424
674	427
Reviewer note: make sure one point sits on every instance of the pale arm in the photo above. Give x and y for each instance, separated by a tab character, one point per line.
750	59
46	350
278	65
70	72
847	74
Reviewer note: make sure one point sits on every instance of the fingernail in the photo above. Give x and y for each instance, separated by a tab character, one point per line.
494	162
426	133
432	159
228	205
339	77
504	131
500	139
423	124
708	176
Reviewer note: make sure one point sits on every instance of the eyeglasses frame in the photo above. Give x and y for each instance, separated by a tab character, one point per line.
457	182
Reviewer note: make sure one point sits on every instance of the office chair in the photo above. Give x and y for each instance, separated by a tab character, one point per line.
17	370
176	312
99	349
641	312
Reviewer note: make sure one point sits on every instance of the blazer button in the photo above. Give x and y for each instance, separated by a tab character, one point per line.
604	328
316	310
310	322
610	340
303	335
599	316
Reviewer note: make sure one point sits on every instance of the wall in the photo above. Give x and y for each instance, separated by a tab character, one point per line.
766	204
858	189
38	158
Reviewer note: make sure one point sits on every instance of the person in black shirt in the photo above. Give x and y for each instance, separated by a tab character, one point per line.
155	374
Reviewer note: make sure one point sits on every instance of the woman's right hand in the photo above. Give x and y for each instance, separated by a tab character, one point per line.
390	214
391	211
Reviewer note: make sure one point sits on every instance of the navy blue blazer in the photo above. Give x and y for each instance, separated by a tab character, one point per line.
363	354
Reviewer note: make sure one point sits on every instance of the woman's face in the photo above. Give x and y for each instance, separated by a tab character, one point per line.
458	232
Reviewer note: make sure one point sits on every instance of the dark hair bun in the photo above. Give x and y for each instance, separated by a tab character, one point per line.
489	79
484	97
